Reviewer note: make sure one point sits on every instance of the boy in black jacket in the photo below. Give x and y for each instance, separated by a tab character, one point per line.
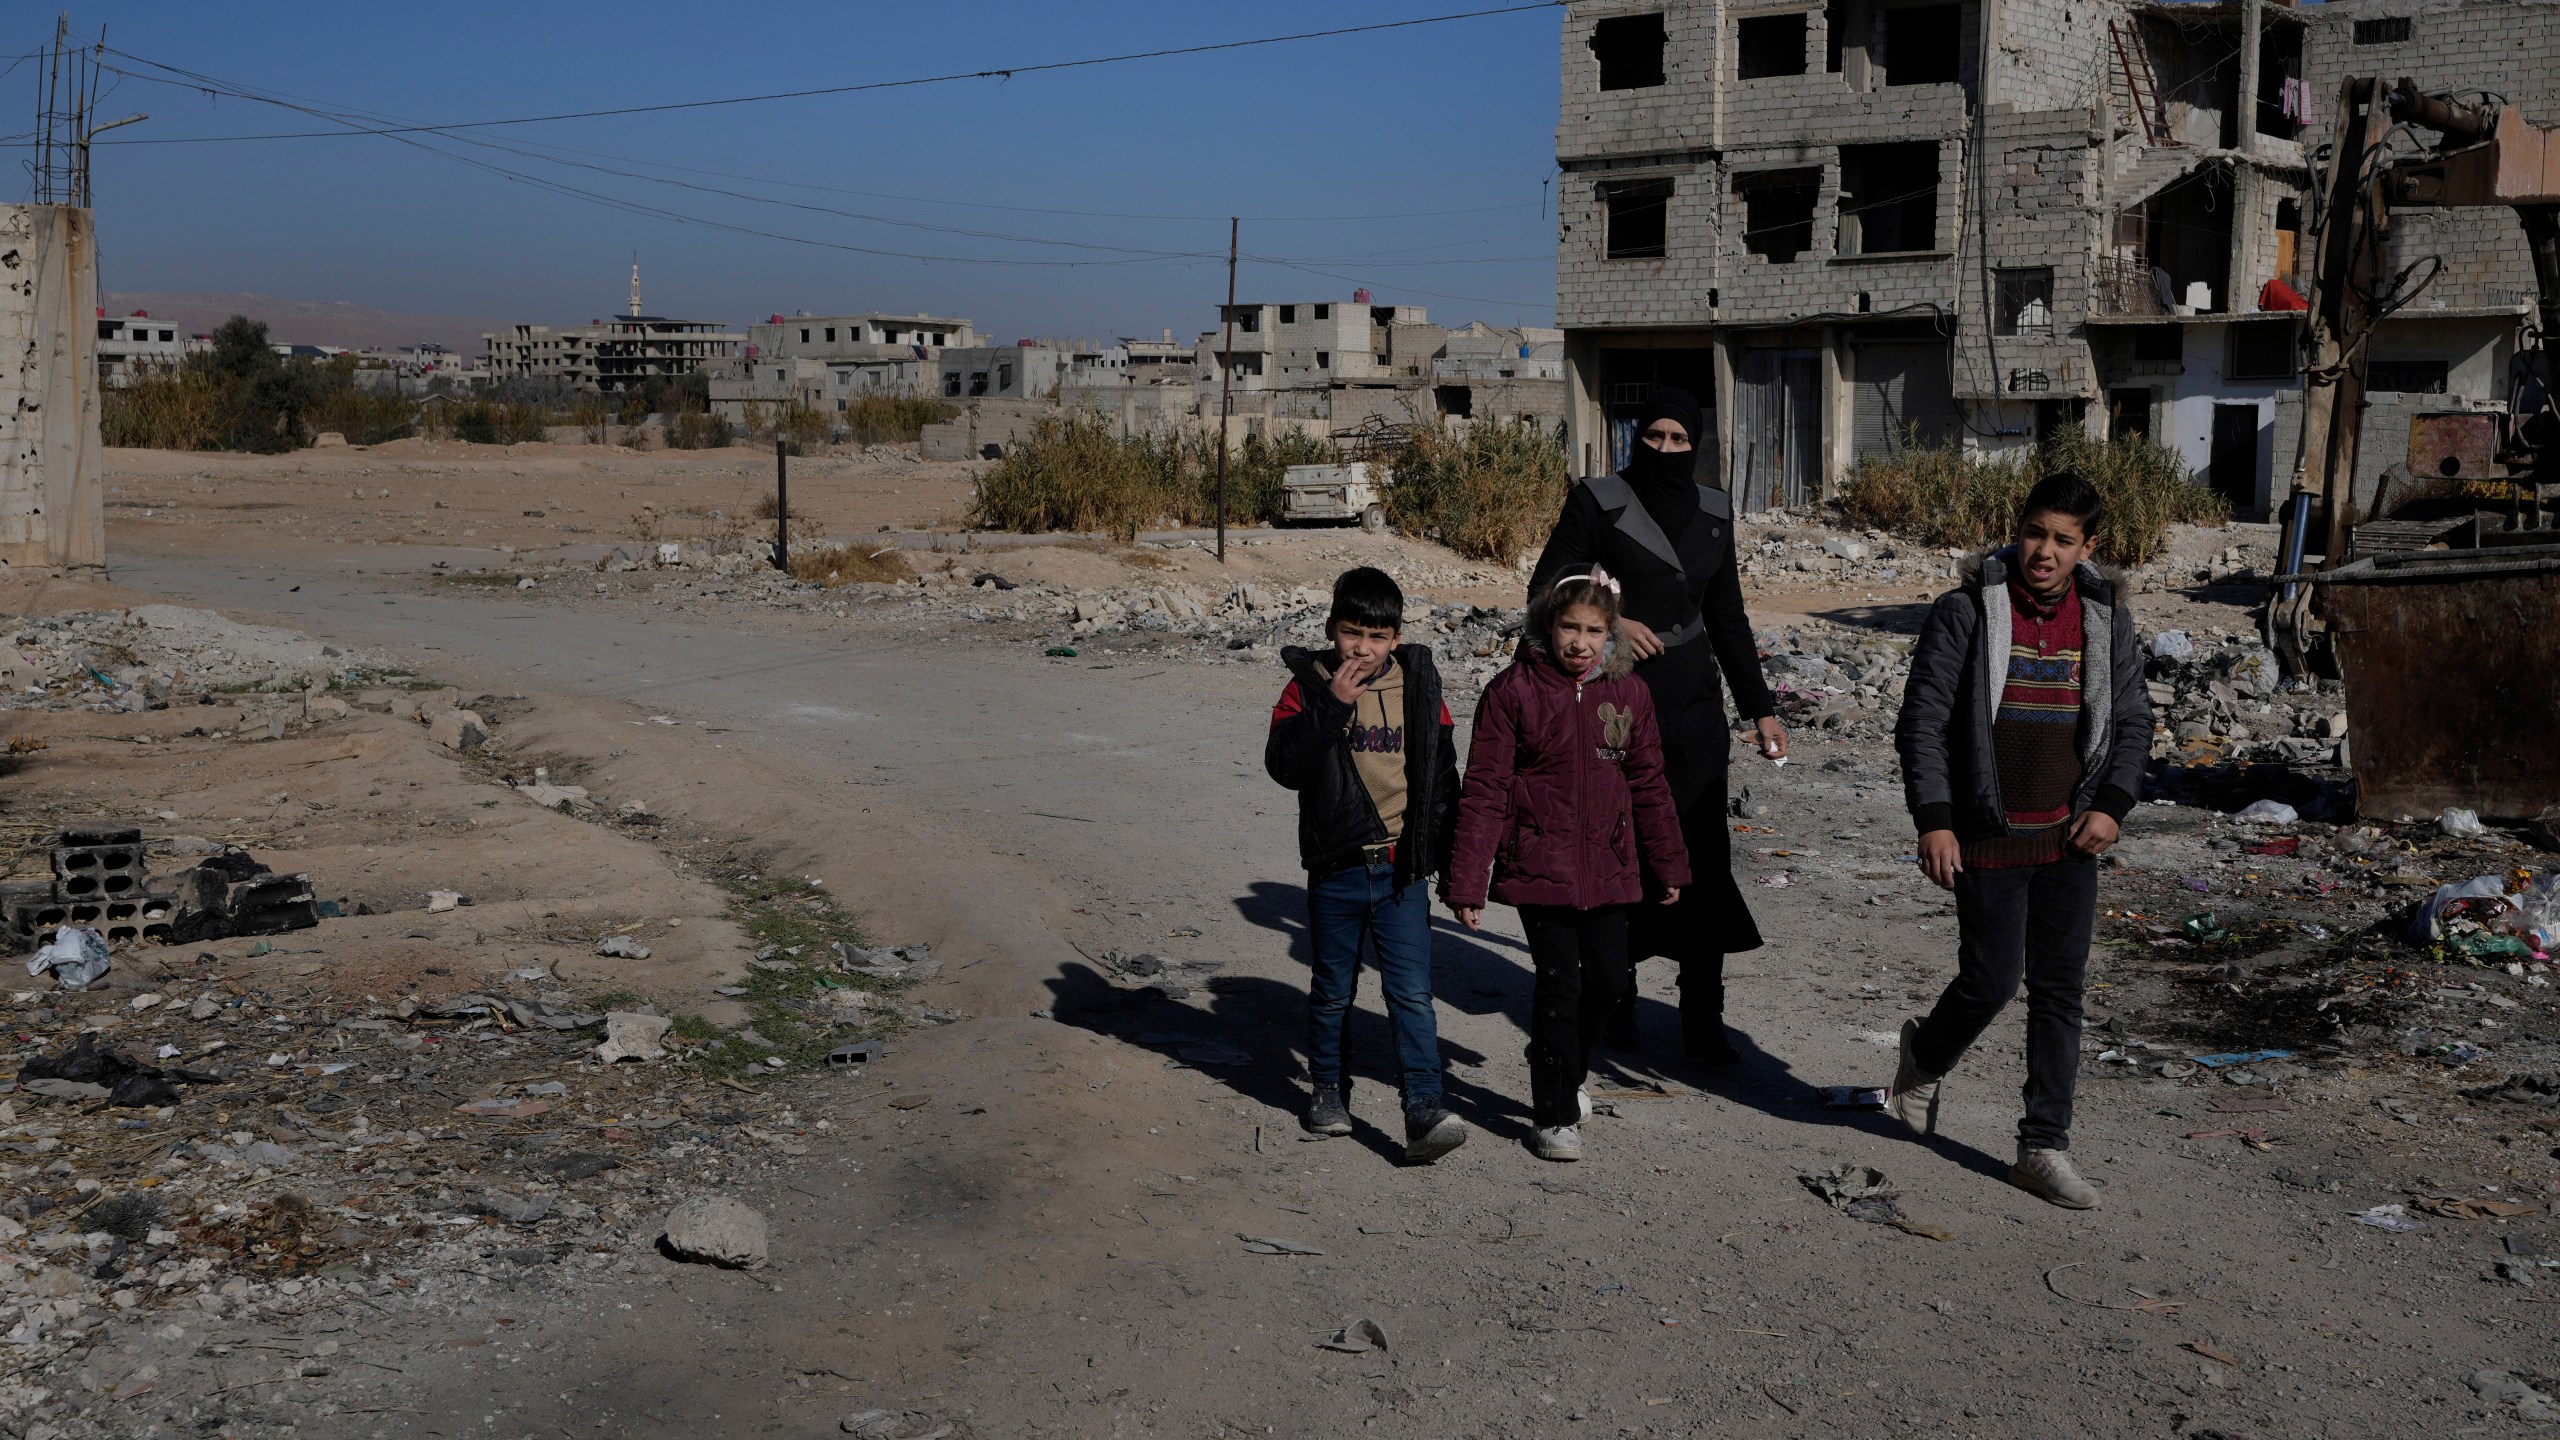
1362	735
2025	730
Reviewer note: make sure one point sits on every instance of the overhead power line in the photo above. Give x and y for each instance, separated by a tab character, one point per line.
999	73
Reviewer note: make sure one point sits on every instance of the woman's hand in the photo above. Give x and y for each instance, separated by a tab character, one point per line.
1468	915
1773	738
1640	638
1670	896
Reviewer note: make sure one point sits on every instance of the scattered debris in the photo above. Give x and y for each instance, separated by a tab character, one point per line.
1357	1338
630	1035
1862	1193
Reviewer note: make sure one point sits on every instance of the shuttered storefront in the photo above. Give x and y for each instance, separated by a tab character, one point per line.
1901	386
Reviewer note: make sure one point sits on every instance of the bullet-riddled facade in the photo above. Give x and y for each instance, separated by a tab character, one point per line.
1845	225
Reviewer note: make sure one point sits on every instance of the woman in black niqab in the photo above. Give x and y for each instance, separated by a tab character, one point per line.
1683	614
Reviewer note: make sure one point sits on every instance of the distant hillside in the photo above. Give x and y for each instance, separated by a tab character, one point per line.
308	322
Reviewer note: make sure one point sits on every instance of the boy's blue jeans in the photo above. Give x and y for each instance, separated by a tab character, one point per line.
1343	909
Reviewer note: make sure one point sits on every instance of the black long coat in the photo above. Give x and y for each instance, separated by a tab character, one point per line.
1703	592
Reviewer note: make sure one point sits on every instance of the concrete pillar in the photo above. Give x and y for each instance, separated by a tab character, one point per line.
52	487
1725	408
2253	17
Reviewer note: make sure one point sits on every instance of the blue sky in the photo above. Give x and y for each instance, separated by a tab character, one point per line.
1314	142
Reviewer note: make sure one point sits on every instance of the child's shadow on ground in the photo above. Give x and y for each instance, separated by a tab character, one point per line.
1764	1082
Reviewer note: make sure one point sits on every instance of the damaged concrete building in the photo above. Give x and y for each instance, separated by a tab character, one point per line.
1347	364
824	361
1849	225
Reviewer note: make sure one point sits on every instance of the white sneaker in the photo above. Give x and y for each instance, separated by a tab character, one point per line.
1556	1142
1582	1102
2050	1173
1913	1100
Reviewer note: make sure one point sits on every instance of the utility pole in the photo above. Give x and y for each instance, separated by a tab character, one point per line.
1226	383
781	506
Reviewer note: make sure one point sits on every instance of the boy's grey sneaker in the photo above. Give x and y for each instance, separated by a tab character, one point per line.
1556	1142
1327	1115
2049	1173
1913	1100
1430	1133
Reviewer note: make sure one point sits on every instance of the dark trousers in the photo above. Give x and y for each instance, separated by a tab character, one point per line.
1581	958
2029	922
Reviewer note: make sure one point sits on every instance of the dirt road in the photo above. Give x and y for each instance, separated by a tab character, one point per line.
1049	1243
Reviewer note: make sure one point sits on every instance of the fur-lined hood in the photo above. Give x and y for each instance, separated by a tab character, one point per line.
1616	662
1995	564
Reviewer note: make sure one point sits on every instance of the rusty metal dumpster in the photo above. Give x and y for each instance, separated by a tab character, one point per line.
2452	668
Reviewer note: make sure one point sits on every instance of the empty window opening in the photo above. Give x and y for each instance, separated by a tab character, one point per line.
2129	412
1639	219
2262	350
1288	314
2026	302
2383	30
2159	344
1835	25
1324	312
831	334
977	382
951	383
1324	359
1248	318
1766	45
2409	377
1923	44
1888	198
1629	49
1455	400
1777	212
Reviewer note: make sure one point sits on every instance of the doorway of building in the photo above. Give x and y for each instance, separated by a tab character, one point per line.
1777	427
2233	469
2129	412
1628	379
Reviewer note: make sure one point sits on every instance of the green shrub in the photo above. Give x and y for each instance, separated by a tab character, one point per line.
1940	496
1073	472
1489	493
885	417
697	430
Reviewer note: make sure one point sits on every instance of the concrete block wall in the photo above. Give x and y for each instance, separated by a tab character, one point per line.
2041	207
1678	114
1592	290
2511	47
2051	56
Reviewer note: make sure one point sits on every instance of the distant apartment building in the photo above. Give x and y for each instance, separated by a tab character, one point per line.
1025	370
135	344
1351	363
823	361
609	355
1844	226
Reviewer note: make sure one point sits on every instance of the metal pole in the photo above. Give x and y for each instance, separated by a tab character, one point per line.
781	507
1226	381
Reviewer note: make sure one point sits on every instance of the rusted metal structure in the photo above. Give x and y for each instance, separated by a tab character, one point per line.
2453	688
2442	615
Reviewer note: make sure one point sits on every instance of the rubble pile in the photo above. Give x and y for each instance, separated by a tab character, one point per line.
275	1153
147	657
2225	698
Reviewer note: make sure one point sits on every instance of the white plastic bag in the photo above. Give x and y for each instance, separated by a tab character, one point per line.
2462	824
2173	645
2268	812
77	958
2482	897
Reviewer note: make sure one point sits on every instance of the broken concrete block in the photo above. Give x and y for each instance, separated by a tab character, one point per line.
629	1035
319	705
457	730
716	1230
621	947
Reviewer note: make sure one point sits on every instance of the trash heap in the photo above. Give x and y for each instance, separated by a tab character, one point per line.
1832	678
100	882
151	656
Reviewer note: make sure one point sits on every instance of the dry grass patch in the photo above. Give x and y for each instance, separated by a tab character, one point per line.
850	565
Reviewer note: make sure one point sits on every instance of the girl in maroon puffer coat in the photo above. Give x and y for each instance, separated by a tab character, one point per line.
1566	806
